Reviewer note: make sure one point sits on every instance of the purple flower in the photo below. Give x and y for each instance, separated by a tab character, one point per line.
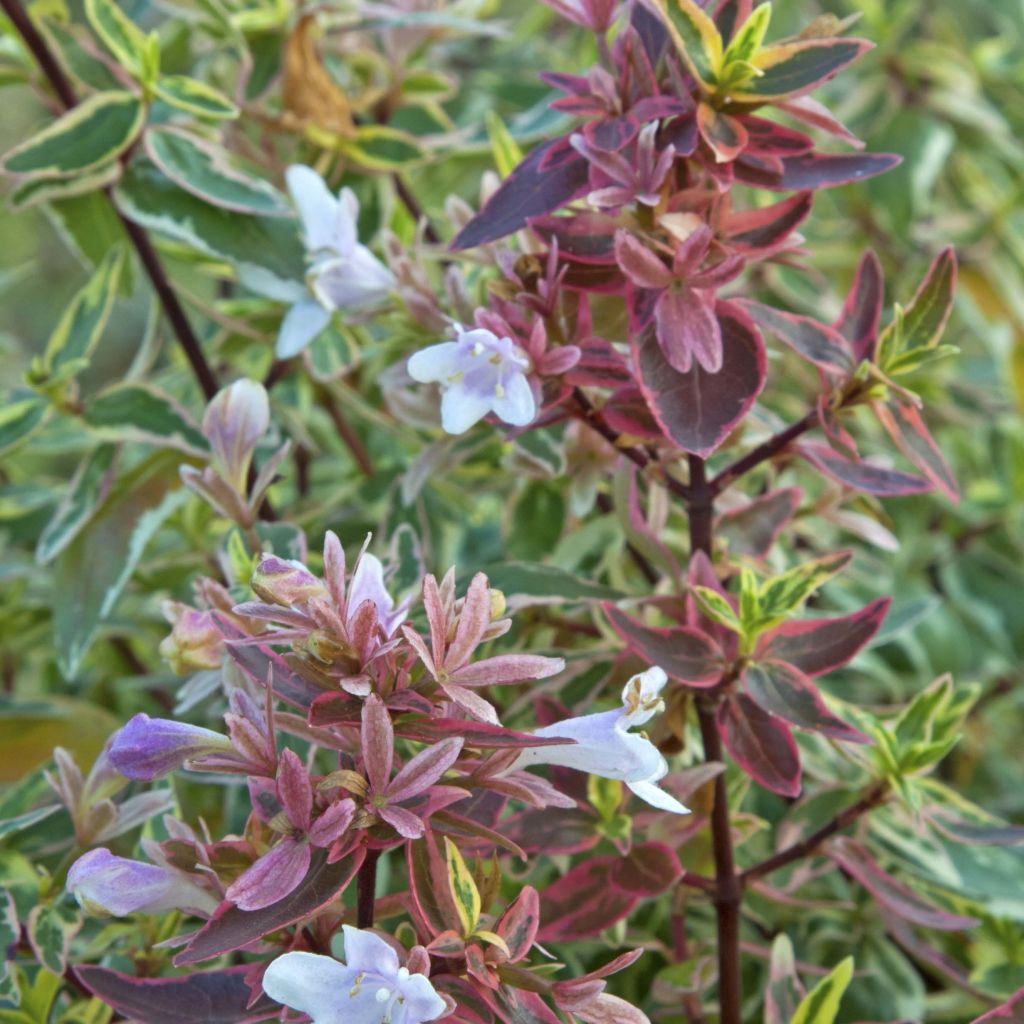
103	883
343	274
367	584
604	745
147	748
234	421
369	988
479	373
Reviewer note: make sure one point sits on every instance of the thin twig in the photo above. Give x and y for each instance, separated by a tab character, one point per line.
346	431
176	315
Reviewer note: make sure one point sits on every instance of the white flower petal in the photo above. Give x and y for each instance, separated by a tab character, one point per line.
516	405
461	408
653	794
313	984
437	363
301	324
422	1003
367	951
318	210
347	223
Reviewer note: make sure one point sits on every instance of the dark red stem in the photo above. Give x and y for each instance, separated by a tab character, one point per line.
366	889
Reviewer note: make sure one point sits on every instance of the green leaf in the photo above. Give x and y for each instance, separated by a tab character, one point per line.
920	325
50	931
821	1004
266	251
785	594
87	489
21	416
750	35
333	352
464	890
507	154
10	932
92	571
86	137
125	40
211	173
10	827
34	191
378	147
695	37
525	584
141	412
195	97
90	227
82	324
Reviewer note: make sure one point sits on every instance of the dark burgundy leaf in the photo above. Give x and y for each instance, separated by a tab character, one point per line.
817	343
600	366
765	229
680	133
648	870
890	892
685	654
553	830
821	170
769	138
230	928
904	425
585	238
258	661
549	177
817	646
206	997
782	689
752	529
481	735
698	409
627	413
651	30
863	476
761	744
730	15
862	311
583	902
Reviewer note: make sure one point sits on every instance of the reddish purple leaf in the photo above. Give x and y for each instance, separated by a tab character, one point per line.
1009	1013
814	170
519	924
206	997
698	409
549	177
553	830
766	229
863	476
891	893
782	689
648	870
429	885
752	529
904	425
231	928
685	654
481	735
259	661
817	646
730	15
584	902
814	341
769	138
586	237
761	744
862	312
600	366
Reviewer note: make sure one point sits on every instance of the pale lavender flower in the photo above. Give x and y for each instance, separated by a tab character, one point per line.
343	273
369	988
604	745
479	373
103	883
234	421
147	748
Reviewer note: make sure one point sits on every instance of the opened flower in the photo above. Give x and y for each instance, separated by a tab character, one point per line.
343	273
369	988
479	373
604	745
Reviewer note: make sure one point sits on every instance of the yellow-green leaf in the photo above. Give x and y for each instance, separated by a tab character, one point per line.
464	890
507	154
378	147
750	36
86	137
695	37
195	97
821	1004
125	40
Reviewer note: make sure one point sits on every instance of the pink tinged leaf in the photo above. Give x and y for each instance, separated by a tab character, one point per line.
816	114
566	830
474	619
698	409
331	825
769	138
519	924
904	425
753	529
925	316
725	134
378	738
891	893
217	997
692	251
649	869
334	568
862	311
294	790
688	329
720	274
813	341
424	770
419	646
818	646
429	886
782	689
583	902
405	823
433	605
276	874
863	476
1011	1012
638	263
609	1009
549	177
472	703
506	668
761	744
767	229
685	654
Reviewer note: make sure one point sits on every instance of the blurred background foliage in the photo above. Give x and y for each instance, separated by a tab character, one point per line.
944	88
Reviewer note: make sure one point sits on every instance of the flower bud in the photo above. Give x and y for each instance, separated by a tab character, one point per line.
147	748
285	582
235	420
194	643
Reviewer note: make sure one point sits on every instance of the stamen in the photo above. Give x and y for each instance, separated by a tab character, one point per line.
354	991
499	391
383	995
477	349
